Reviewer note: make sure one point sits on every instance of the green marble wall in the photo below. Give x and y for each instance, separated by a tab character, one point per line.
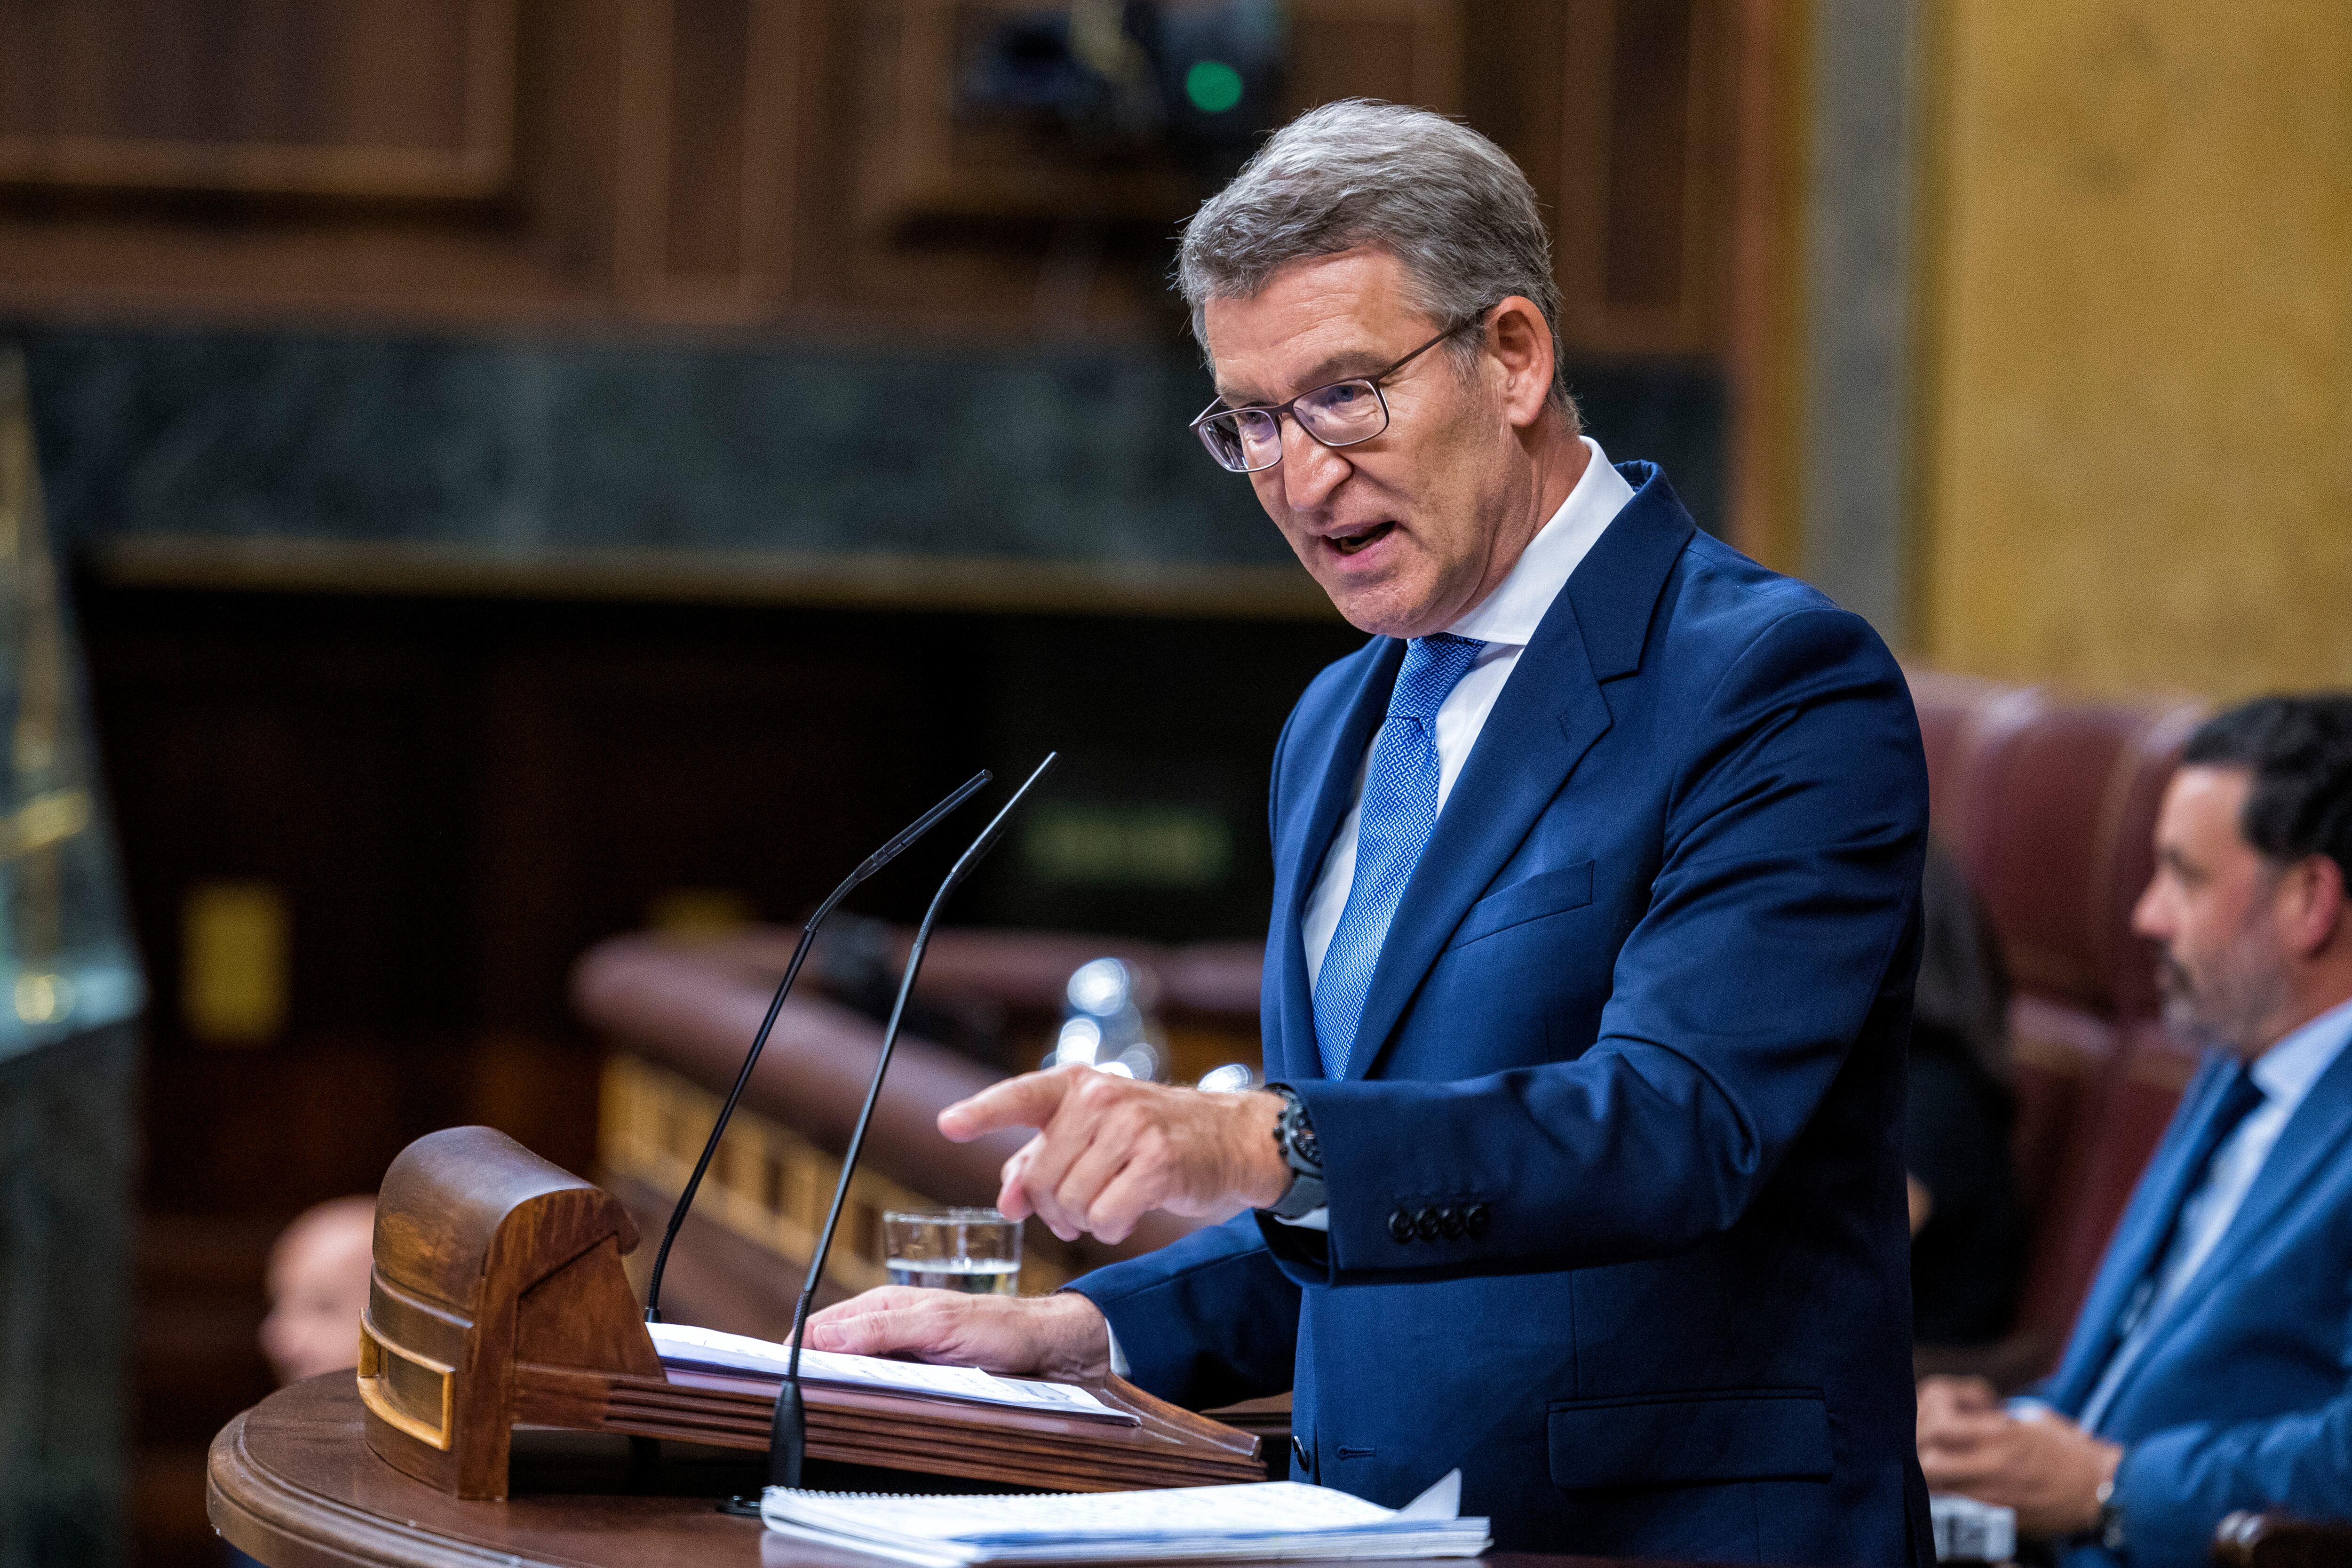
69	1134
1070	454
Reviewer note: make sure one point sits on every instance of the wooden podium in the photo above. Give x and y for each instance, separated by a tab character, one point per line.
498	1300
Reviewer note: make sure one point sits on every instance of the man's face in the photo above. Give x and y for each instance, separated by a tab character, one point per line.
2225	970
317	1287
1405	531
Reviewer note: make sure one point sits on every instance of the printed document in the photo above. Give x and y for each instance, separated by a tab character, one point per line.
680	1345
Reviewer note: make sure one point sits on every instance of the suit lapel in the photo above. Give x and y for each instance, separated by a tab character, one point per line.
2311	1135
1550	712
2146	1222
1331	751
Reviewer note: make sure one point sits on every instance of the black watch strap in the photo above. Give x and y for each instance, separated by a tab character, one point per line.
1293	1135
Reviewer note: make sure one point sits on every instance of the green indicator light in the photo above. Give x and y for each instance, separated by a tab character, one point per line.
1213	86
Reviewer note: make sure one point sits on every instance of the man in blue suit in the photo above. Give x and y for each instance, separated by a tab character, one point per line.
1590	968
2210	1369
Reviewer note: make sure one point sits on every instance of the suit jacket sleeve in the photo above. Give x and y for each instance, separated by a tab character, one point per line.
1209	1319
1783	904
2174	1486
1205	1320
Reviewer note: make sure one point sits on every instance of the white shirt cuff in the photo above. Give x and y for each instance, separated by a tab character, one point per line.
1313	1219
1118	1366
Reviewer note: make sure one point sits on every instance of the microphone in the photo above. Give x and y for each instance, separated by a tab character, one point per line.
872	863
788	1441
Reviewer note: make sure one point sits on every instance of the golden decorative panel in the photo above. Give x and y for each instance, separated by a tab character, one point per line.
2136	443
768	1184
234	963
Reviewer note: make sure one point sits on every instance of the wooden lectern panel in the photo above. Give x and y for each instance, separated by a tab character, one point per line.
498	1298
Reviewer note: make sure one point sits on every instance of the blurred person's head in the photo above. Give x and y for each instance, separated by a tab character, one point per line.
1360	233
318	1285
1963	989
2254	848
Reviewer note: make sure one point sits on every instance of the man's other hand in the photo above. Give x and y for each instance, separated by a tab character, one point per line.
1944	1399
1062	1336
2042	1465
1109	1149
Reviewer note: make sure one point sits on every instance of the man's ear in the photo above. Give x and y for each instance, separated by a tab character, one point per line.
2312	902
1521	342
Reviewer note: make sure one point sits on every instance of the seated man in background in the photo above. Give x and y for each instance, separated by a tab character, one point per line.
1968	1235
317	1287
2210	1368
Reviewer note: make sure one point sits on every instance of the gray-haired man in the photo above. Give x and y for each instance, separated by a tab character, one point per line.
1589	972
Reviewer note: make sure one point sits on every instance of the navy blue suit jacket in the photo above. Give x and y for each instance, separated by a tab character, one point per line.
1646	1000
2244	1396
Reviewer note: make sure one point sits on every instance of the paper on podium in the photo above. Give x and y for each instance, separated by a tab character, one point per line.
1268	1519
684	1346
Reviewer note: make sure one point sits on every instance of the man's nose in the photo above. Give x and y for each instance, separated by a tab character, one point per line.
2149	917
1310	470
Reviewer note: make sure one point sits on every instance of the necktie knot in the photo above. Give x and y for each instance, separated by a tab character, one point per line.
1434	666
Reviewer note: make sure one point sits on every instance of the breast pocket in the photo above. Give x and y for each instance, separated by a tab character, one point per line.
1530	899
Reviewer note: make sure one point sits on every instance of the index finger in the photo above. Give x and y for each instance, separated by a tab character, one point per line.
1959	1430
893	1330
881	1299
1029	1101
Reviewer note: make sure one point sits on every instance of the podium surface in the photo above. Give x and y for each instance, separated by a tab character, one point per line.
293	1483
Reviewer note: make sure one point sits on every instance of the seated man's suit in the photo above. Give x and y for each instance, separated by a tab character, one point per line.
1616	1213
2238	1392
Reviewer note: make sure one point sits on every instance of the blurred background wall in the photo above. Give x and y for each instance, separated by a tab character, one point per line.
2136	378
531	470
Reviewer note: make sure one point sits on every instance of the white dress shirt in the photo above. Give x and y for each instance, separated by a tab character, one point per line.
1506	621
2285	1073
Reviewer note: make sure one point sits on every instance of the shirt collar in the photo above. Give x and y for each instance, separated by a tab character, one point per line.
1510	614
2286	1071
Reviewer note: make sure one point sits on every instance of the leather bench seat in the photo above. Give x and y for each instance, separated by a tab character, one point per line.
2049	805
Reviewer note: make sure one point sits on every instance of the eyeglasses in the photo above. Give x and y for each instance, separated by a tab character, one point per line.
1245	440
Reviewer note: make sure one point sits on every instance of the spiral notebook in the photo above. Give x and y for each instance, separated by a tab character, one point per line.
1269	1520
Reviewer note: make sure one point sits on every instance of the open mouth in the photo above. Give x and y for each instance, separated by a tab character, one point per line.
1350	544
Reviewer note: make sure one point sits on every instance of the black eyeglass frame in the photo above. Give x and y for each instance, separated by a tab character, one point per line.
1277	410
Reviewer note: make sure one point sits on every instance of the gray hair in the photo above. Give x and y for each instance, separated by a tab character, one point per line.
1443	200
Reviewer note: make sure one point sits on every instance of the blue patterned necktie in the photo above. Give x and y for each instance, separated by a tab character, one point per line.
1400	811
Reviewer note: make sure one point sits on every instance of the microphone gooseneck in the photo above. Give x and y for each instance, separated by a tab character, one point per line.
871	864
788	1441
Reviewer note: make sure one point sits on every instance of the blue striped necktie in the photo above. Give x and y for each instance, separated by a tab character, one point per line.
1400	811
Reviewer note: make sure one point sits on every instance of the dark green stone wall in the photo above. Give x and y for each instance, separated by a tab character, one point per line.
67	1157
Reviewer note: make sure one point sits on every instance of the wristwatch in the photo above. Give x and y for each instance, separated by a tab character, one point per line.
1294	1134
2110	1527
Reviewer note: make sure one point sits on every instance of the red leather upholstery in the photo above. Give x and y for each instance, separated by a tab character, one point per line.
2049	807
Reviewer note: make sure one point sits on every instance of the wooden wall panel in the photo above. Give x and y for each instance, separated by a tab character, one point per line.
707	106
1407	51
1641	179
780	163
928	160
362	98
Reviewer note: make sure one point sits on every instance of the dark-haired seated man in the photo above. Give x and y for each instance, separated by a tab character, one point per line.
2210	1369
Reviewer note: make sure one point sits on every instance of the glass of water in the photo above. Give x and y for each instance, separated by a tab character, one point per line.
976	1251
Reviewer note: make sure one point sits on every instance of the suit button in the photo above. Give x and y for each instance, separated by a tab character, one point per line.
1475	1220
1401	1226
1425	1224
1450	1221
